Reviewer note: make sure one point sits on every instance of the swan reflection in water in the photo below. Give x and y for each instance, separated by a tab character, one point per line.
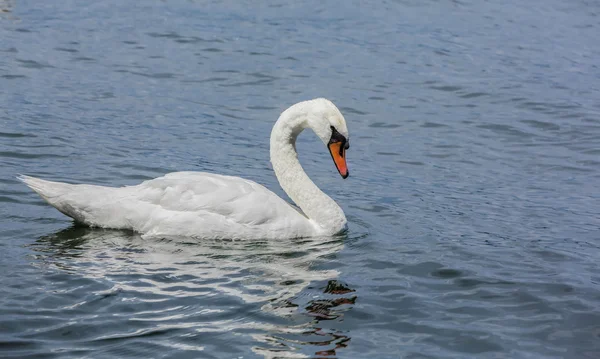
286	279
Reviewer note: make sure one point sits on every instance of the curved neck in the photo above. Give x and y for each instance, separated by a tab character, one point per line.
315	204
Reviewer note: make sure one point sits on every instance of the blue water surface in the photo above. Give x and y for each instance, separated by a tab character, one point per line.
473	201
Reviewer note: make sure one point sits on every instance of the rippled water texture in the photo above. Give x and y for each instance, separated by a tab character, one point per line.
474	199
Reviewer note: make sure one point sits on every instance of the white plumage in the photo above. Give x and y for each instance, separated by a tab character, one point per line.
206	205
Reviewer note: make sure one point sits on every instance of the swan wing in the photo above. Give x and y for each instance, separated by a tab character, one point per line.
194	204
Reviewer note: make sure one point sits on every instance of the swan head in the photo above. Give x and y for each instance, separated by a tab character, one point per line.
328	123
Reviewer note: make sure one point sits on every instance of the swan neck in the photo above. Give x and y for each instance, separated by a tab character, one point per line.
316	205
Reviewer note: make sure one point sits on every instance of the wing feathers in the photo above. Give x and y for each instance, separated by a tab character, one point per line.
194	204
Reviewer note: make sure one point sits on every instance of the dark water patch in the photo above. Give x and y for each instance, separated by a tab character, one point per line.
383	125
506	130
566	168
420	269
138	167
162	76
30	146
250	83
138	177
102	96
438	155
547	108
7	199
18	346
211	79
468	105
228	71
592	120
261	75
260	108
195	40
447	88
212	49
31	64
447	146
542	125
413	163
21	155
442	52
16	135
474	95
447	273
593	151
353	111
60	139
475	282
255	53
84	59
64	49
168	35
433	125
577	115
470	344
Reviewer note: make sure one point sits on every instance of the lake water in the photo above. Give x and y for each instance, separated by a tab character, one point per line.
473	201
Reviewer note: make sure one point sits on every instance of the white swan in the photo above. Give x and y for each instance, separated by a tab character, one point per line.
206	205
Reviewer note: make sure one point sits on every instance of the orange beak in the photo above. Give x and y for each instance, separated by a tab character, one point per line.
338	153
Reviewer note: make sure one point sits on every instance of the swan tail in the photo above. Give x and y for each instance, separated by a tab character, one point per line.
55	193
46	189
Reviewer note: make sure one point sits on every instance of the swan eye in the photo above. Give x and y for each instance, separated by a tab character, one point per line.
338	137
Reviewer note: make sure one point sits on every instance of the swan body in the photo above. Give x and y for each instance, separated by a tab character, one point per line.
206	205
196	204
